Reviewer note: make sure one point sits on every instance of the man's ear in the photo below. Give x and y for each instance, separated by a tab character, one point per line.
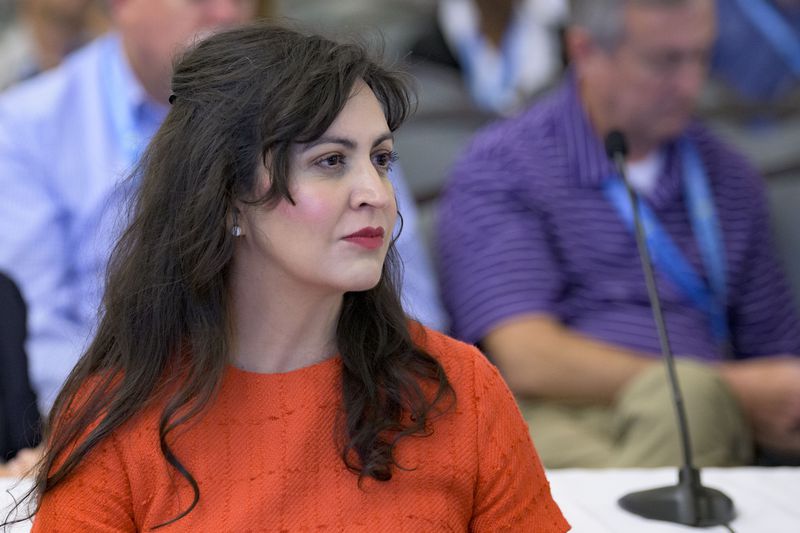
582	49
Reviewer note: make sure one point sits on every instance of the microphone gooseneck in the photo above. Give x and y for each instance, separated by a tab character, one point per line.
616	149
688	502
616	144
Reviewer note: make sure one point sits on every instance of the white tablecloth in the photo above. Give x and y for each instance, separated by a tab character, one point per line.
10	490
767	500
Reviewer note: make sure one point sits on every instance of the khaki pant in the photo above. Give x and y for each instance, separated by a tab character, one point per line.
640	429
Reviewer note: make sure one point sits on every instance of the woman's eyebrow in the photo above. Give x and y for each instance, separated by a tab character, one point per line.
385	137
344	141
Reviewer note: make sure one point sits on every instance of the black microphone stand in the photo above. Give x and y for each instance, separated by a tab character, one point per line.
688	502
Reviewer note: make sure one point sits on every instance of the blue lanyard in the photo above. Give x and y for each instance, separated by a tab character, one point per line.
710	298
775	29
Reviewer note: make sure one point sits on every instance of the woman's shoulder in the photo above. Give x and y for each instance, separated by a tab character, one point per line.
445	348
465	365
90	401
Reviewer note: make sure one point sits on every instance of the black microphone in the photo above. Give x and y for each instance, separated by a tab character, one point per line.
688	502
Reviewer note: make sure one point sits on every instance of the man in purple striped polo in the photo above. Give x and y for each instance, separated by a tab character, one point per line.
539	265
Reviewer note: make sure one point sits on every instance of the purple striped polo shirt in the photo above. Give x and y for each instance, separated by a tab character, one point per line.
524	227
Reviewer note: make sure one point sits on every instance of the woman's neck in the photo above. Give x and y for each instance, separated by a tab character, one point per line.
278	326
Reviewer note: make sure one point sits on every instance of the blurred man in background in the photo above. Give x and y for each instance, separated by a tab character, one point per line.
42	32
67	140
539	261
758	51
505	51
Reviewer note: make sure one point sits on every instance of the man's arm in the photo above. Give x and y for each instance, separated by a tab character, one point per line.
34	251
540	357
502	279
764	322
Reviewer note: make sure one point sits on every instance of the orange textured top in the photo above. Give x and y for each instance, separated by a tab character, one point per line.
266	459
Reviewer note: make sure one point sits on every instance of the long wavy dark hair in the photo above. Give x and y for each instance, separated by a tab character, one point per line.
241	99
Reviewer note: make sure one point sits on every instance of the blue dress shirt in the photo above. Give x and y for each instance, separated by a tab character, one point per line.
420	291
68	139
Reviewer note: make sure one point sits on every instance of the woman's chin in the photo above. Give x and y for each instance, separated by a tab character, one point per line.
363	283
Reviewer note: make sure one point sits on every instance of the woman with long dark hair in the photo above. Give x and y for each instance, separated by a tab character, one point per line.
253	368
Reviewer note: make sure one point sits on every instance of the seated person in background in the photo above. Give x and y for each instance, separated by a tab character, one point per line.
757	54
66	140
19	418
253	347
419	289
473	60
506	50
67	137
539	264
43	32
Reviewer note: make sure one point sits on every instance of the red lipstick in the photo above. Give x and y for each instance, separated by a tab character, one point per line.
369	238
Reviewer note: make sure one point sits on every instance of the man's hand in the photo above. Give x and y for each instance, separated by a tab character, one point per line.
22	465
768	389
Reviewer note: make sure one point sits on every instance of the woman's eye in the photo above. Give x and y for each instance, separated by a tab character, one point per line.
331	161
385	159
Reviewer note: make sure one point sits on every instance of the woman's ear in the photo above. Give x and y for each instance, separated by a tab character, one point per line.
235	222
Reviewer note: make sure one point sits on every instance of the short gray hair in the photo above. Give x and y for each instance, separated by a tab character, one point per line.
603	19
